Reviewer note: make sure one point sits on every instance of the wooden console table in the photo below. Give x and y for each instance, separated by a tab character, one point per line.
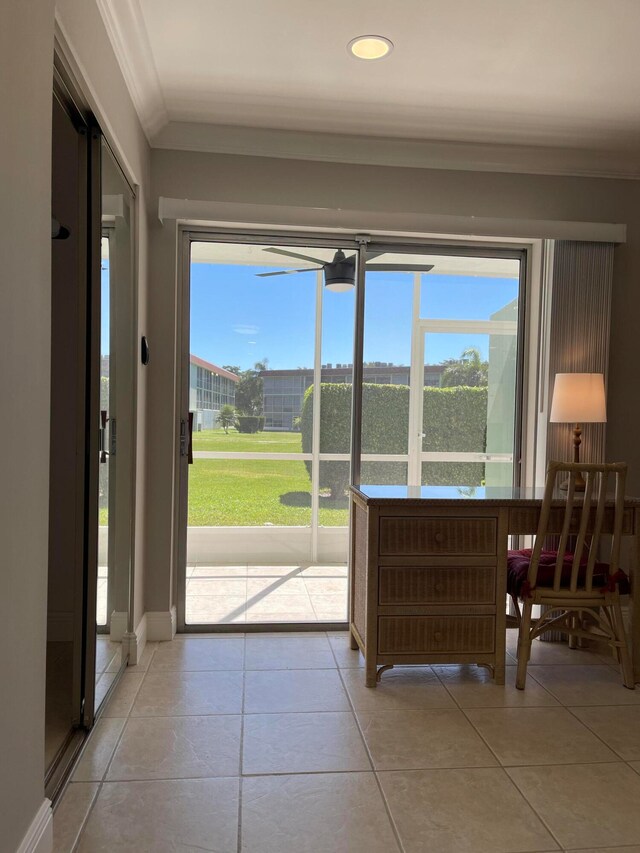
428	573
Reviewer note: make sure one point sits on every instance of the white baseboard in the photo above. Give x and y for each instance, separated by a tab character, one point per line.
161	625
60	627
39	836
134	643
118	626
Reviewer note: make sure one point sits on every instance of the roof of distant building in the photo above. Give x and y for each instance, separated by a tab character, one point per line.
200	362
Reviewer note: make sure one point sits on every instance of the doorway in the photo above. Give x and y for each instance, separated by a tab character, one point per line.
267	402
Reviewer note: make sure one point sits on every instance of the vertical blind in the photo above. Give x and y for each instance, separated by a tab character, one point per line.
579	333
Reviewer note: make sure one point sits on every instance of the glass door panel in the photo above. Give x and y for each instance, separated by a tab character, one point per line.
441	336
257	486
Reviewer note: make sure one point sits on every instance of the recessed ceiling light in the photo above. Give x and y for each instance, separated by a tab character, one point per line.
370	47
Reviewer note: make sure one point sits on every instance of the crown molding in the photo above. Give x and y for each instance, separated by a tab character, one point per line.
388	151
128	35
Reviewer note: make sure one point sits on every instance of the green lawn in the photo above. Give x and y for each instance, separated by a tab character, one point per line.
241	493
259	442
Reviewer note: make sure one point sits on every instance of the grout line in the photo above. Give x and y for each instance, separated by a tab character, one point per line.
241	750
394	828
86	817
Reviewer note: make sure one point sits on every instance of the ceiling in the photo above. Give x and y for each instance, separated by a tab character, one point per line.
549	74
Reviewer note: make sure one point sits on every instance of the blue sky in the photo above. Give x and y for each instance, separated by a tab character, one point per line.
238	318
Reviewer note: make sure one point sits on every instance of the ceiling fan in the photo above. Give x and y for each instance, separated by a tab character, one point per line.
340	273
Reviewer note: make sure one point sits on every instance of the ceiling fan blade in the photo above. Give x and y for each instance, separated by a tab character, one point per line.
398	267
286	272
297	255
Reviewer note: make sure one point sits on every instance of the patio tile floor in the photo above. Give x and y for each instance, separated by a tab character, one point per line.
250	594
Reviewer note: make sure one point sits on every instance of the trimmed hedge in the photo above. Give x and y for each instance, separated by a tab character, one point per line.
247	423
454	419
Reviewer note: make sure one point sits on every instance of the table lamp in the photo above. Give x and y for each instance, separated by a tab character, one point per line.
578	398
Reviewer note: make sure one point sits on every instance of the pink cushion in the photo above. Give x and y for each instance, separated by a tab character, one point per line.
518	568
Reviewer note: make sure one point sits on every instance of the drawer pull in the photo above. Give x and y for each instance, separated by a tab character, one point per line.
439	587
437	635
439	537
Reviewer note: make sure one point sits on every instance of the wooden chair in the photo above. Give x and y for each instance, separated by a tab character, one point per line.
581	595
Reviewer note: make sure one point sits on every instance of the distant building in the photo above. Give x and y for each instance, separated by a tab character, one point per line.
210	388
283	390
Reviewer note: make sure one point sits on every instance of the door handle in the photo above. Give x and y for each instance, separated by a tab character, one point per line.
186	438
102	438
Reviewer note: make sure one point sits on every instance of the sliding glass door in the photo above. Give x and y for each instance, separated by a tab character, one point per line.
268	396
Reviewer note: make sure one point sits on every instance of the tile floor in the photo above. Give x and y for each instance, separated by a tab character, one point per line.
249	593
272	744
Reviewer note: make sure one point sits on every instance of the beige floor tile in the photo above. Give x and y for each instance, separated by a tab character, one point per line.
121	702
326	586
145	659
210	609
281	618
193	655
317	813
201	571
538	736
329	571
302	743
164	817
619	727
168	694
585	685
399	689
233	587
548	653
99	749
635	765
104	682
274	571
288	653
330	607
295	690
259	588
294	605
407	740
345	656
70	815
633	848
178	748
462	811
474	687
105	652
584	805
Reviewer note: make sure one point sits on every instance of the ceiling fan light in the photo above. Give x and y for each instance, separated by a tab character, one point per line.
370	47
340	286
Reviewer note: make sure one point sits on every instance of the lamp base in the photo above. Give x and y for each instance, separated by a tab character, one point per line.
579	485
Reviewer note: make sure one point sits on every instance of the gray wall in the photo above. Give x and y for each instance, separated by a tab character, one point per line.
26	48
255	180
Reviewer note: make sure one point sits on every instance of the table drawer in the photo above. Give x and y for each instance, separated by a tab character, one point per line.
432	634
433	535
437	585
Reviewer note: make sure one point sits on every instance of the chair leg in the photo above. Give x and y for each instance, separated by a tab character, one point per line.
624	657
574	622
524	645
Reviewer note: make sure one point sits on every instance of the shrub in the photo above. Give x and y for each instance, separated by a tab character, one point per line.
247	423
453	419
261	420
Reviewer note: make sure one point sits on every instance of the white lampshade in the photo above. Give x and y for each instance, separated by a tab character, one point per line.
578	398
